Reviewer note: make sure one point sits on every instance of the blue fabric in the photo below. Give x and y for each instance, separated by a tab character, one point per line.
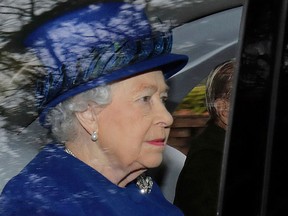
56	183
95	45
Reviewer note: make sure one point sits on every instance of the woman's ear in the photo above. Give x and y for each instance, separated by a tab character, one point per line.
88	118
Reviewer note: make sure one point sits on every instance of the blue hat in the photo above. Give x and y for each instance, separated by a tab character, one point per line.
96	45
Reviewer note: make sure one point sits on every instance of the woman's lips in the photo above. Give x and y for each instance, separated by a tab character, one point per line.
157	142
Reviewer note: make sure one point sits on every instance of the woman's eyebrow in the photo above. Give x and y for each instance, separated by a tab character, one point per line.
152	87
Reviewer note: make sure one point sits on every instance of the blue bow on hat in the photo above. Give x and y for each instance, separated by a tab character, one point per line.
96	45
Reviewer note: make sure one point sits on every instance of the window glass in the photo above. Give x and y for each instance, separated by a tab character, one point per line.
190	118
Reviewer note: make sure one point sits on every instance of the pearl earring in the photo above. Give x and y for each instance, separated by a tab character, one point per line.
94	136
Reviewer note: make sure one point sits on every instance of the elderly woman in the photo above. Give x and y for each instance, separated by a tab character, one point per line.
103	97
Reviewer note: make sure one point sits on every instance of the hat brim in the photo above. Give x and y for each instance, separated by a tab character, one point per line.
170	64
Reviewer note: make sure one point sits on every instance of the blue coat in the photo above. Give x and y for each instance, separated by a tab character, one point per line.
56	183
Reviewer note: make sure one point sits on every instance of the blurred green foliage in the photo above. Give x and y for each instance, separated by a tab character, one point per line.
195	100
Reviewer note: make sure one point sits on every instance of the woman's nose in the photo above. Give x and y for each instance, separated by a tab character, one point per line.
164	117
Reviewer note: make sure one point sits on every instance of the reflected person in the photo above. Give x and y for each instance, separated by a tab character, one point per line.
103	98
198	183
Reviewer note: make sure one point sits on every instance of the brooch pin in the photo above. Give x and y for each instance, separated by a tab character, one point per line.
144	183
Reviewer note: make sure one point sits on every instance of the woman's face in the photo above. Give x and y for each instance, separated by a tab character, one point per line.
133	129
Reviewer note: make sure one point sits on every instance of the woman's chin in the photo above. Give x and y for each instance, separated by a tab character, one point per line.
155	162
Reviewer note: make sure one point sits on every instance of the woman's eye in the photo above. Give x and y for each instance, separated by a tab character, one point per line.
164	99
146	99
